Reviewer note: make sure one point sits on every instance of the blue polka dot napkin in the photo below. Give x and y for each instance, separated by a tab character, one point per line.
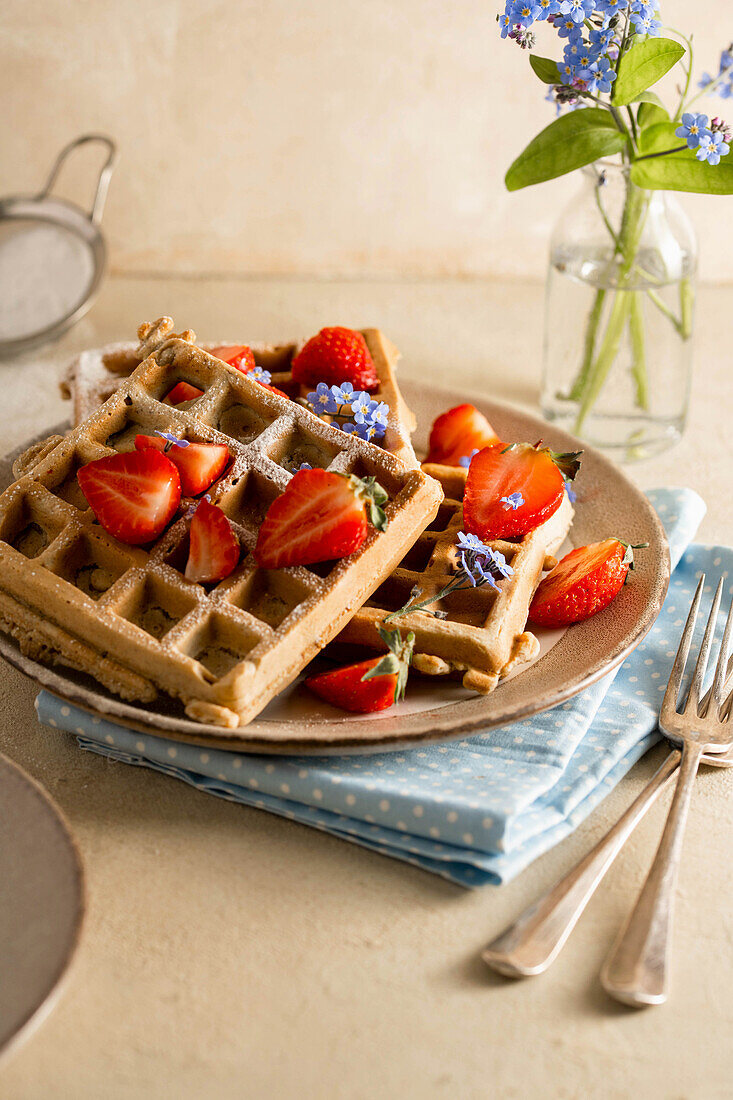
474	811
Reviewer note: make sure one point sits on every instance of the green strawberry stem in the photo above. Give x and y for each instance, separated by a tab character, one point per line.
374	496
396	661
628	558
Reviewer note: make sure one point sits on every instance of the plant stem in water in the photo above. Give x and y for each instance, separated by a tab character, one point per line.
590	380
638	351
687	304
589	347
607	353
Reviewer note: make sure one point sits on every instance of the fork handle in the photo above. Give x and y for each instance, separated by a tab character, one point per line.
532	943
636	971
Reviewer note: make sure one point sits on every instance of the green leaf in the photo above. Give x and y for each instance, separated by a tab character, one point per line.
567	143
650	97
649	112
659	137
545	69
643	65
680	170
684	172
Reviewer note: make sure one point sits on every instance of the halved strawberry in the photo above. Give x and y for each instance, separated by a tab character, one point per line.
274	389
134	495
534	473
457	433
236	355
199	464
182	391
336	355
369	685
583	583
213	550
320	516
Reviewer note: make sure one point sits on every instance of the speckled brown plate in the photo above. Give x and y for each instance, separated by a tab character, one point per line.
608	504
41	903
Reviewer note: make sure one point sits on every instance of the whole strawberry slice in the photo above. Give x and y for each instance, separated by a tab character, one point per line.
134	495
457	434
369	685
320	516
235	355
199	464
512	490
583	583
336	355
213	548
183	391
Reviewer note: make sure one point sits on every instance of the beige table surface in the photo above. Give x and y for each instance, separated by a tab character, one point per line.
229	953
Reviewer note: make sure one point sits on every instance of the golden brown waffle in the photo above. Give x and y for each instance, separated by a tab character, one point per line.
484	635
95	374
72	594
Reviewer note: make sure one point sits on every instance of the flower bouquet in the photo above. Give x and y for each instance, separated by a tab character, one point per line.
622	379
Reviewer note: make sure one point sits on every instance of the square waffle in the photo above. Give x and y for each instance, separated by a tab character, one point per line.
484	634
72	594
95	374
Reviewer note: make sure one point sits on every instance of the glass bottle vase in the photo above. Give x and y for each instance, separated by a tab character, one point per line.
619	316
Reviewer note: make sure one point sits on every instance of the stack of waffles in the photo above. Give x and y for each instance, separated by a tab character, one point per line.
97	373
483	634
72	594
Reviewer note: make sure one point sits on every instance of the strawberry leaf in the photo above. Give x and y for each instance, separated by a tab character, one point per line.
628	558
567	462
388	666
374	496
397	661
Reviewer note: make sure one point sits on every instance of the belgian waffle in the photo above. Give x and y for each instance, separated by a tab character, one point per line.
72	594
484	634
95	374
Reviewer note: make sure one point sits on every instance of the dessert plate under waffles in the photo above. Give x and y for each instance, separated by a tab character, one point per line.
438	709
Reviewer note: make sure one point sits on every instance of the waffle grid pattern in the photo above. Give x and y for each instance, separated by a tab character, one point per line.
224	650
96	374
484	634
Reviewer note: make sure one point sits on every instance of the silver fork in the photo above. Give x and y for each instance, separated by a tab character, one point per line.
534	940
636	971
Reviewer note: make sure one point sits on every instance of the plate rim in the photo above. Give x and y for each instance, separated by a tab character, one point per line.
330	735
55	989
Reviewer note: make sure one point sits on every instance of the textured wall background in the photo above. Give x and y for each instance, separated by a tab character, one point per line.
279	136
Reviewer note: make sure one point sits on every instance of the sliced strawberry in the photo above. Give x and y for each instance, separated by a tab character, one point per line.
236	355
531	476
369	685
274	389
199	464
345	688
583	583
320	516
183	391
457	434
134	495
213	550
336	355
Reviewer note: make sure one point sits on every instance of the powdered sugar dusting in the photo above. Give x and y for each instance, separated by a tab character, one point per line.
45	273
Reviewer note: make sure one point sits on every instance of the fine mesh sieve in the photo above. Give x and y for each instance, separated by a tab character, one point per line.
52	257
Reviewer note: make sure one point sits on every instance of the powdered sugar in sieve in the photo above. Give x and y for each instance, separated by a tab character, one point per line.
46	272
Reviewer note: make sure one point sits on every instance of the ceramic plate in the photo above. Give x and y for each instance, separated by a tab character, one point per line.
608	504
41	902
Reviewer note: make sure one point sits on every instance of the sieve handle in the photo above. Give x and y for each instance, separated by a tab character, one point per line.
95	214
